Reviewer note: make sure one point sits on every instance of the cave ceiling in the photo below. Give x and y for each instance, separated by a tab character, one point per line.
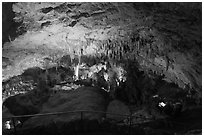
164	38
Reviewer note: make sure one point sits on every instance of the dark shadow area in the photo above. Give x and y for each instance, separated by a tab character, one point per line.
189	122
9	27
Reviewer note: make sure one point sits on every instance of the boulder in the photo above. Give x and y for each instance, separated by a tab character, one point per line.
28	103
66	88
83	98
119	108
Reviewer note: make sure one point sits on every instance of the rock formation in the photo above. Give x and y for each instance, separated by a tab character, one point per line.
131	50
168	43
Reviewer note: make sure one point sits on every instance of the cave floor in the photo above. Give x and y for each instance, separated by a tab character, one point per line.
188	122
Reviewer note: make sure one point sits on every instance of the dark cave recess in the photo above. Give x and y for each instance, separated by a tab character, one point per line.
10	29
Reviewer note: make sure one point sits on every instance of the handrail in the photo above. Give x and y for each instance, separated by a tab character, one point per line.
78	111
66	112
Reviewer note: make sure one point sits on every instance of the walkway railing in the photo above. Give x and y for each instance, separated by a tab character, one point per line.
14	118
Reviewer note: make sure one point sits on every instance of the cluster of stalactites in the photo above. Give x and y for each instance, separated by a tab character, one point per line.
128	47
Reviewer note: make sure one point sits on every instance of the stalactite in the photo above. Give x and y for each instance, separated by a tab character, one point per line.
167	63
106	52
119	55
108	46
138	45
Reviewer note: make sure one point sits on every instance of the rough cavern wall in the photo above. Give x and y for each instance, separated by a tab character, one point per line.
163	39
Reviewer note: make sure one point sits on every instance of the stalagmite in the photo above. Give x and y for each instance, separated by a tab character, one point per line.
76	72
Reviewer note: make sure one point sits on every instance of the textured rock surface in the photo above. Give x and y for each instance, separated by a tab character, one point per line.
17	85
25	104
164	38
84	98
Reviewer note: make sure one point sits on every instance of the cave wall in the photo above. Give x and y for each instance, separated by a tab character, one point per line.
7	20
10	27
163	38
